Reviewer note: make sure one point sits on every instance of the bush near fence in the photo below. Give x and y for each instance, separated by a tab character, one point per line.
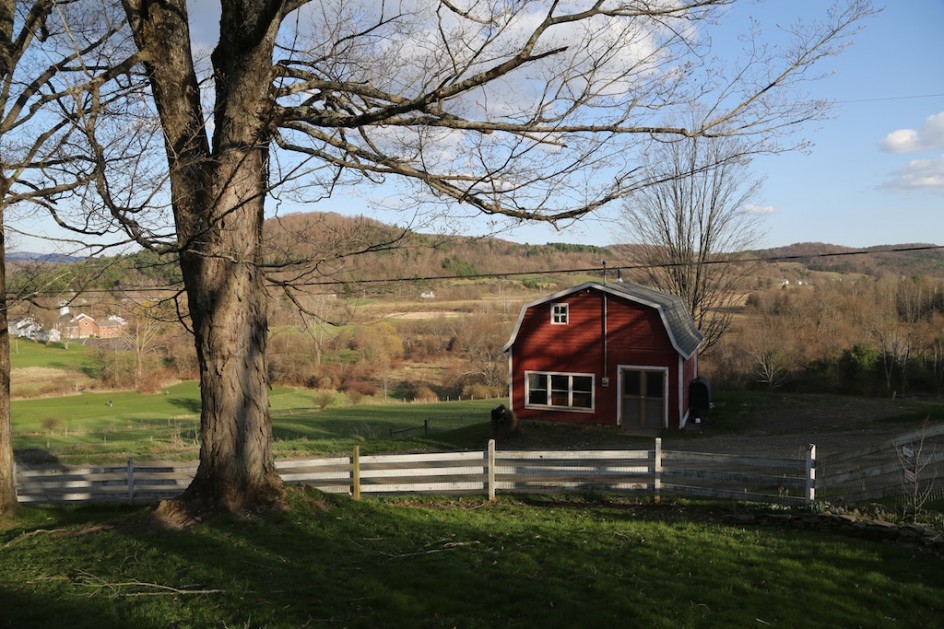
649	472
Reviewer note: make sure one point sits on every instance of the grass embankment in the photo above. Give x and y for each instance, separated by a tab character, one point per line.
459	563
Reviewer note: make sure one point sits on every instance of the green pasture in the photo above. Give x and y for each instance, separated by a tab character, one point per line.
119	424
519	562
25	353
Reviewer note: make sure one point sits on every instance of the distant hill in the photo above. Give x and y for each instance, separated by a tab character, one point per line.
319	247
51	258
876	261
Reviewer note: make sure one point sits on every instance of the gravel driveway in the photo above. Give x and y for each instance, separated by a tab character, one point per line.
784	425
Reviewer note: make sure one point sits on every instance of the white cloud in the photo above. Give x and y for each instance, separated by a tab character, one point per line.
929	136
920	174
760	210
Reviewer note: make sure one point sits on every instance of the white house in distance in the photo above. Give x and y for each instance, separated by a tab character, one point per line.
68	327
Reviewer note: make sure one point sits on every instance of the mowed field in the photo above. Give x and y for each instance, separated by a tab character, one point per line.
84	425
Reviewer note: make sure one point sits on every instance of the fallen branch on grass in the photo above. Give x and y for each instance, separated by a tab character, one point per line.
92	581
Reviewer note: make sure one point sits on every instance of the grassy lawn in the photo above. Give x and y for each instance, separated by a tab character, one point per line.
548	562
112	426
25	353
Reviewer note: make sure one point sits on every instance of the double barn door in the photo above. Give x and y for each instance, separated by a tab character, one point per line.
643	397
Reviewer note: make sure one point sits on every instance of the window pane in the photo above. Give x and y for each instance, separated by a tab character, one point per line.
559	313
631	385
654	384
583	384
582	396
560	390
537	389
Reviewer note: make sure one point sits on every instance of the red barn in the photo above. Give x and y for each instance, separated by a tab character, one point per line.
619	354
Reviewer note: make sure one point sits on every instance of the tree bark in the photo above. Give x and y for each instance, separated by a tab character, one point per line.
8	501
218	196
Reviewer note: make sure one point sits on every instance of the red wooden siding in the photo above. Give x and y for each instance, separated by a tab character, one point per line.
635	336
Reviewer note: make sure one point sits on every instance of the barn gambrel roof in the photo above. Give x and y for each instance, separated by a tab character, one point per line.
678	323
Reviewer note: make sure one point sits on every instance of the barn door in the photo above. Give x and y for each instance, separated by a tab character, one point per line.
643	397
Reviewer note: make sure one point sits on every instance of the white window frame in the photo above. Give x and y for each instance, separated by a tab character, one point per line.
560	313
570	391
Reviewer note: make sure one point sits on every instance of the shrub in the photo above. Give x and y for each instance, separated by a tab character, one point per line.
360	387
51	424
425	394
324	399
483	391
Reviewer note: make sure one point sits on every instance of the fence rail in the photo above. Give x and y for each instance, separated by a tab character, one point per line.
893	468
652	472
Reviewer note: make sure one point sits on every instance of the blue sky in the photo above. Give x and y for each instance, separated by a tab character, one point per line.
875	172
857	186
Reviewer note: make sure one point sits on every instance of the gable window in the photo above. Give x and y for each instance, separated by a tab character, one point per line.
559	390
559	314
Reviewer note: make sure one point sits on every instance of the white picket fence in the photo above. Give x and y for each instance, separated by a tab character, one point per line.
649	472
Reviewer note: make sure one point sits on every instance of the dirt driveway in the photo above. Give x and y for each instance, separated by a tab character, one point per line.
784	425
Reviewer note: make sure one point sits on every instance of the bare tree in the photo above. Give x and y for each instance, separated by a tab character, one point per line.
687	227
919	462
518	110
45	49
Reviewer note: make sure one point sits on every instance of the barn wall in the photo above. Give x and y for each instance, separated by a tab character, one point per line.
636	335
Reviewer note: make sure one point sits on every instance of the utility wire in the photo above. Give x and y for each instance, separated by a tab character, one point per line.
595	269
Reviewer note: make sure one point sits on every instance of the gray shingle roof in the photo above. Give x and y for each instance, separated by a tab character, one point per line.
679	325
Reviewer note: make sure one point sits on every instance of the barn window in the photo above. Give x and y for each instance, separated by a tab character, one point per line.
559	314
559	390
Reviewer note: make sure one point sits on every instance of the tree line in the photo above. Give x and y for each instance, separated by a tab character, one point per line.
854	335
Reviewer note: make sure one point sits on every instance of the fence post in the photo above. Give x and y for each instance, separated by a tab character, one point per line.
811	474
356	473
490	479
657	472
130	481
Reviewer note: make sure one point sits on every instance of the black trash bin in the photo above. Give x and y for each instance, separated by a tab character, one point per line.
699	395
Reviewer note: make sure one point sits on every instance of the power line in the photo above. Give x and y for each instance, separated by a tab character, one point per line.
596	269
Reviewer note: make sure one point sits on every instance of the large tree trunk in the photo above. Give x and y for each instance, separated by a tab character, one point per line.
227	300
218	201
8	502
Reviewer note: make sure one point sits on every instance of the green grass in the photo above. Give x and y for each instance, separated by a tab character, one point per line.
459	563
112	426
25	353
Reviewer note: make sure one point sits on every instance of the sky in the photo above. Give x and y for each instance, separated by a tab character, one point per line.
874	174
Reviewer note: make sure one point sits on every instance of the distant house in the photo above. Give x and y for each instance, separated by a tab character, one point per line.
620	354
26	327
111	327
83	326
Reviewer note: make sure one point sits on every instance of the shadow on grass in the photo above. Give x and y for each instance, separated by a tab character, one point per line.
464	562
23	608
192	405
